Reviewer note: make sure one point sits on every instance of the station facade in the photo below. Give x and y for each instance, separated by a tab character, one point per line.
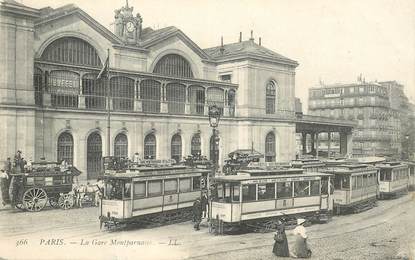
161	84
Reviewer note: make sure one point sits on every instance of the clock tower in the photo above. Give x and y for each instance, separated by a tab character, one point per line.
127	26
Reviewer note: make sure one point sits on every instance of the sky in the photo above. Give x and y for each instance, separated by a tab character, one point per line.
333	40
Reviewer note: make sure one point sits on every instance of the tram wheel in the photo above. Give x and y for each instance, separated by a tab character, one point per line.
35	199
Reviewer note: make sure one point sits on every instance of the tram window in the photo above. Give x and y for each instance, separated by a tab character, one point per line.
227	192
388	176
154	188
337	182
170	186
196	183
284	190
315	188
354	182
113	189
365	184
346	182
185	184
301	188
127	190
139	189
324	186
249	192
236	192
219	192
266	191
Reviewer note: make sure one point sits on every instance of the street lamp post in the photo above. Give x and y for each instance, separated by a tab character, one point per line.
214	116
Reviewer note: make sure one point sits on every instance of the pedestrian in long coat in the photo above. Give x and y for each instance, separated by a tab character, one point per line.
281	244
301	249
197	213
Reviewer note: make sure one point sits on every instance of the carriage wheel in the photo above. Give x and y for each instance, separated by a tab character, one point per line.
54	201
35	199
66	201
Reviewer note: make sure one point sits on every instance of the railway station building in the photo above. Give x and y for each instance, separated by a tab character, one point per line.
161	84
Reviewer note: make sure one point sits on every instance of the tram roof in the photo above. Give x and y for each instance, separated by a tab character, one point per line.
391	165
349	168
152	171
244	177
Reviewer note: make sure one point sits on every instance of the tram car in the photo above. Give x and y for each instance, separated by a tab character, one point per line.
393	179
411	166
309	164
150	194
41	183
355	187
240	159
255	199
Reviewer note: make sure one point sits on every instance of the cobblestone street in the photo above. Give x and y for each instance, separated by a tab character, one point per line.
384	232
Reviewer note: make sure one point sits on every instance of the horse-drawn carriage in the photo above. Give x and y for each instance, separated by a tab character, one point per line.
33	186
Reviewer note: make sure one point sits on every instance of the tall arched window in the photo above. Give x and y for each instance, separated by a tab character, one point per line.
176	147
65	148
122	93
94	92
197	100
270	147
150	95
196	146
270	97
174	65
94	155
71	50
150	147
121	146
38	85
176	98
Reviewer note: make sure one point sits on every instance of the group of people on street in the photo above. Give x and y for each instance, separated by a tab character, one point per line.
9	178
300	248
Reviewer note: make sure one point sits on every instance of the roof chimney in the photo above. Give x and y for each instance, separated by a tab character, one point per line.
252	36
222	49
259	41
240	36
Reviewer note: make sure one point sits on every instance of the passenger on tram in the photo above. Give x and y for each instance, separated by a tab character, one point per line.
301	249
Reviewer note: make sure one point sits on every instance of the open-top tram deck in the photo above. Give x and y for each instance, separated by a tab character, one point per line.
257	198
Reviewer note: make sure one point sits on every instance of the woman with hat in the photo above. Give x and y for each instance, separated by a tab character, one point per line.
281	244
301	249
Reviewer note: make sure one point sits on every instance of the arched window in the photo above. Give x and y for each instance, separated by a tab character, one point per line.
64	88
176	147
270	98
150	147
270	147
216	96
174	65
231	102
71	50
122	93
94	155
150	95
176	97
65	148
121	146
197	100
196	146
38	85
94	92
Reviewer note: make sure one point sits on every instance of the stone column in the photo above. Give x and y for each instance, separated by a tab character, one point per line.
313	149
343	143
317	145
304	142
328	144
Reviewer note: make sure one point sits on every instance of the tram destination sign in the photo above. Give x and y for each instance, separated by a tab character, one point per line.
281	180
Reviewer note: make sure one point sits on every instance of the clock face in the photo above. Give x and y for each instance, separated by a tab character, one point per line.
130	27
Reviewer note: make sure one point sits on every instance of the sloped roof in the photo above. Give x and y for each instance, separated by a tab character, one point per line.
49	14
245	49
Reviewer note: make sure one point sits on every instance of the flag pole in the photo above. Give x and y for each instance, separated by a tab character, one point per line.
108	107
